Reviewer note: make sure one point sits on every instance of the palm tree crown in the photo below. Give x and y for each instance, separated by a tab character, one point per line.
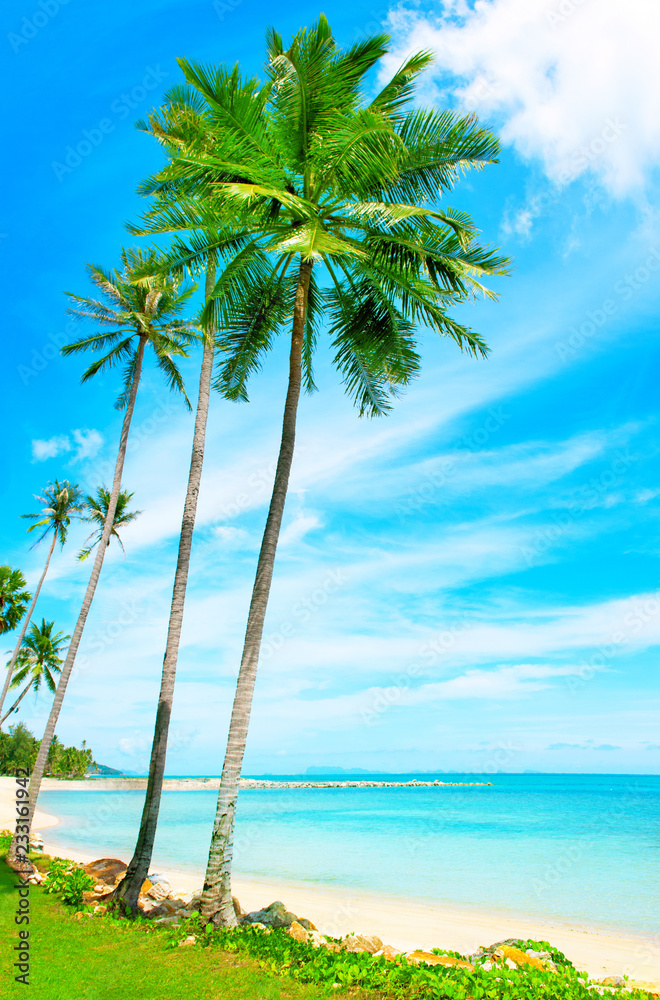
61	503
140	305
39	658
97	512
321	176
14	598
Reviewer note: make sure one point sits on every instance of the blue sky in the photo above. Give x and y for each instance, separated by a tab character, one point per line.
470	583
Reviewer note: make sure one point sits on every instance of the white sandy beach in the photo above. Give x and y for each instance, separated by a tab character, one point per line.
403	923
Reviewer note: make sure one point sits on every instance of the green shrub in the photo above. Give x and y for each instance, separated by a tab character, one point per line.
68	880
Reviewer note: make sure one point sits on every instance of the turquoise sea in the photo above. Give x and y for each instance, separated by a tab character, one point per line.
579	848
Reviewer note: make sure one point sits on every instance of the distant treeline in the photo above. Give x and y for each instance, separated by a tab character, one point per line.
18	748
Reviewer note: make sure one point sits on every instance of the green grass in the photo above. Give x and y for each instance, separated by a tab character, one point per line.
97	959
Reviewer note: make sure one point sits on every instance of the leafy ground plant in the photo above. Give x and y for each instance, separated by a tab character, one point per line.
67	879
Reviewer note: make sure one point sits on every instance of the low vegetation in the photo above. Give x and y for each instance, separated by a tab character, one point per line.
19	748
250	962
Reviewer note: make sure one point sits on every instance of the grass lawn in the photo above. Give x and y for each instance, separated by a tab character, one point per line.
97	959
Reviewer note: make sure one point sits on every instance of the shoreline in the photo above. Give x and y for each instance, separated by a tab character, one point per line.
213	784
404	923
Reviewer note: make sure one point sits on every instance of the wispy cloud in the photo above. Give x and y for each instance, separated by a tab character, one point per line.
86	444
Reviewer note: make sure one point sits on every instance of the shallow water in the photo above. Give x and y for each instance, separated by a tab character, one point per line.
580	848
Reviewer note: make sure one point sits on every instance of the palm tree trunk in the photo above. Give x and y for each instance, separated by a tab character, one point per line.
129	889
14	853
14	655
216	903
16	703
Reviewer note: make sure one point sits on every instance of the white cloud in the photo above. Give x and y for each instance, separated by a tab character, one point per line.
574	82
298	528
86	445
41	450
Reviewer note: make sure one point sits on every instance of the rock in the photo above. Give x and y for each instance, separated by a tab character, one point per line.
359	942
238	909
157	891
388	952
164	908
612	981
307	924
191	939
520	958
298	932
316	938
275	915
100	910
430	959
167	920
106	870
487	965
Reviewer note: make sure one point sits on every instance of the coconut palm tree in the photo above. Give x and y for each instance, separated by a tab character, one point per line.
39	660
244	269
61	502
96	511
335	190
139	308
14	598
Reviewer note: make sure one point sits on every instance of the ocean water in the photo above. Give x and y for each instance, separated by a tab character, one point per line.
578	848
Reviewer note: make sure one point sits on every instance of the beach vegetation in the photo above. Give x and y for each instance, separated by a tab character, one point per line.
14	598
336	190
19	748
69	880
61	502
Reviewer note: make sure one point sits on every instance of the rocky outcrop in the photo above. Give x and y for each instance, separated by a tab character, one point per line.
108	871
361	942
275	915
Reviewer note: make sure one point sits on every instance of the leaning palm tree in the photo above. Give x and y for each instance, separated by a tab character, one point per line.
39	660
335	187
245	268
96	512
136	311
61	502
14	598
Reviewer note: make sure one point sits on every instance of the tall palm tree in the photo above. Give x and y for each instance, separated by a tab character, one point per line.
14	598
245	267
335	187
96	511
39	660
139	308
61	502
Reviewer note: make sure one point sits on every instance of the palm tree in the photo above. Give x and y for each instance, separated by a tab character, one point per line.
334	184
39	660
245	267
96	513
14	598
141	308
61	502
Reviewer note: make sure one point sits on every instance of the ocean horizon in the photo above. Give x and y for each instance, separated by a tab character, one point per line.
578	848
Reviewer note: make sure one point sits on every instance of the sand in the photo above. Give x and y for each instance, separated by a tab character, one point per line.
403	923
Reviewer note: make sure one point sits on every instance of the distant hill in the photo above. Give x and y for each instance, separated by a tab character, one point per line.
101	770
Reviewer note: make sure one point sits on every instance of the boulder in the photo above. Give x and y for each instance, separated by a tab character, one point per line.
106	870
520	958
612	981
359	942
157	891
275	915
388	952
191	939
316	938
430	959
298	932
238	909
307	924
